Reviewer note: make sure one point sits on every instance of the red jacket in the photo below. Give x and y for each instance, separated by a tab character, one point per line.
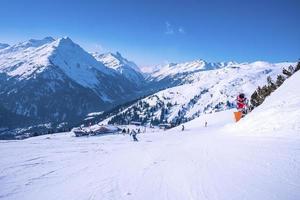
241	103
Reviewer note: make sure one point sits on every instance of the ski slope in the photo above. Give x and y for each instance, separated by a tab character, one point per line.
226	160
198	163
278	115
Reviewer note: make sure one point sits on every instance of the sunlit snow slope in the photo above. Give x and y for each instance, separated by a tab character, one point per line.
279	114
202	88
121	65
213	162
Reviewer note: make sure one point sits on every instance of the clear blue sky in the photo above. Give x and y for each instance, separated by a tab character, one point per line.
151	32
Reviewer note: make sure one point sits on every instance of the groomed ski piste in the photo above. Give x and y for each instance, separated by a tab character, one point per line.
256	158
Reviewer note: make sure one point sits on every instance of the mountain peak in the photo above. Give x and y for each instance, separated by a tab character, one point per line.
115	61
121	65
38	42
44	40
173	69
49	38
64	41
28	44
76	63
200	61
118	54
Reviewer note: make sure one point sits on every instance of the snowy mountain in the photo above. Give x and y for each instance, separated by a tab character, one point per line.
187	67
120	64
32	57
201	88
174	74
56	80
256	158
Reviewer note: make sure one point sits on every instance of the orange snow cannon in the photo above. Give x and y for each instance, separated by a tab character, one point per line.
238	115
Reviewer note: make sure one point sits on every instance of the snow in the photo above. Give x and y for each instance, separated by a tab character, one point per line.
76	63
279	113
121	65
212	162
94	114
26	59
190	69
257	158
115	60
174	68
212	83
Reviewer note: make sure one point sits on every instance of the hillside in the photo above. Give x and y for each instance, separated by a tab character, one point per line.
279	114
222	161
204	88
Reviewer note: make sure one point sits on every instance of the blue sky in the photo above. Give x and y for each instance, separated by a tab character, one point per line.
152	32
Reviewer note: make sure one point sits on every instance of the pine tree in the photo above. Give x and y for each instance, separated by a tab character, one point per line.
271	86
291	69
288	72
255	99
260	94
162	115
297	67
280	80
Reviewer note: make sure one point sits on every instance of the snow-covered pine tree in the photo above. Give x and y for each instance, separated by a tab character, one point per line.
280	80
288	72
297	68
271	85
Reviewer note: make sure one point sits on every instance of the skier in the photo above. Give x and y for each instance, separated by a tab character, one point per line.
182	128
133	133
205	124
241	105
124	131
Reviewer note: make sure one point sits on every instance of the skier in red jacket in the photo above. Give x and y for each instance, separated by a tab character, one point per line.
242	103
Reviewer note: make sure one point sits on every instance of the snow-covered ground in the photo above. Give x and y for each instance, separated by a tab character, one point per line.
221	161
198	163
278	115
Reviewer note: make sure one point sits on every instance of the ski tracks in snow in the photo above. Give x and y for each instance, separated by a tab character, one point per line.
196	164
